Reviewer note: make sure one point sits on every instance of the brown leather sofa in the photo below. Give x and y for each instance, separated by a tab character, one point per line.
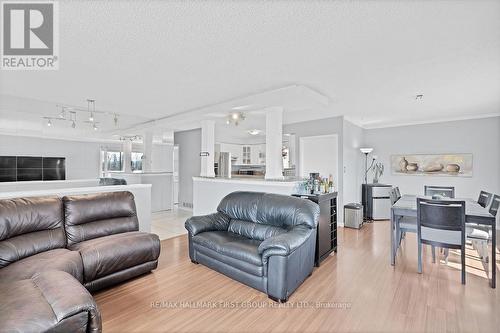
49	247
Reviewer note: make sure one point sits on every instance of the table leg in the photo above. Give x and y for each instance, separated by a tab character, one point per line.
494	255
393	257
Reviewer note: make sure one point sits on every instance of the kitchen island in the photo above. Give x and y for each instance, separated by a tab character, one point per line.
208	192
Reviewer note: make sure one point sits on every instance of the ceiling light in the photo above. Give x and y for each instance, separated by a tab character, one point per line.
49	123
235	118
241	107
62	114
73	124
94	126
115	119
254	132
89	101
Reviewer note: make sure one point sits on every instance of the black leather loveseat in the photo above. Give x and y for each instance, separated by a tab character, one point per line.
266	241
52	250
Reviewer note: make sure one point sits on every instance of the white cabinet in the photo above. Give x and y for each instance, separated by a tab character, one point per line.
253	154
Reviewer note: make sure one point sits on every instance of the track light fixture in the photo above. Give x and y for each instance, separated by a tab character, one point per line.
68	113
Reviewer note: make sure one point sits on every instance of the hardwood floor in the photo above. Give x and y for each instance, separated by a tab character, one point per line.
356	290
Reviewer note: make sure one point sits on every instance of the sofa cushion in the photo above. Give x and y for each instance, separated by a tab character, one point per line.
271	209
58	259
254	230
29	226
109	254
232	245
91	216
48	302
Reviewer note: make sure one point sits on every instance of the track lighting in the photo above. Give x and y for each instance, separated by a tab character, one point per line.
69	114
91	101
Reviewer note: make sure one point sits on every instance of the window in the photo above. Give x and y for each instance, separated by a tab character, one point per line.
136	161
114	160
246	155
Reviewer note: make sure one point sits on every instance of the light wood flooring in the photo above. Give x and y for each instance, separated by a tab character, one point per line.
356	290
170	223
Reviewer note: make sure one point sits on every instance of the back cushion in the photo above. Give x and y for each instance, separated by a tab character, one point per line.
272	209
254	230
29	226
90	216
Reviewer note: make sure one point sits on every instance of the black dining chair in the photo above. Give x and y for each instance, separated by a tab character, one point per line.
444	191
495	204
393	196
398	193
441	223
484	198
480	235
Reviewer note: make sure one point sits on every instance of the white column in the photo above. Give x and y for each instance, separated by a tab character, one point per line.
207	148
127	155
274	143
148	151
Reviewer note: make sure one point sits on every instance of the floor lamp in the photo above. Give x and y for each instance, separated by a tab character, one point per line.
366	151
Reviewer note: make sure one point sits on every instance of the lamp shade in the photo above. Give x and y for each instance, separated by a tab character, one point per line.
366	150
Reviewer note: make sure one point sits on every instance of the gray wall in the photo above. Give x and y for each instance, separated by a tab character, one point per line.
481	137
353	168
189	143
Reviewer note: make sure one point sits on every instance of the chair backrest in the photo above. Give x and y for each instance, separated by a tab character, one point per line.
444	191
393	196
484	198
29	226
441	222
495	204
398	193
91	216
112	181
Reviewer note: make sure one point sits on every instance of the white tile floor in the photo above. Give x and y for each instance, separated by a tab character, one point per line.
168	224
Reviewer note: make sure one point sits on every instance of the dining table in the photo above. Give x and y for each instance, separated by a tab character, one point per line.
406	206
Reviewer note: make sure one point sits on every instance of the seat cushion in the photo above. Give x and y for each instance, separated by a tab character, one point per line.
477	233
106	255
51	301
58	259
231	245
408	223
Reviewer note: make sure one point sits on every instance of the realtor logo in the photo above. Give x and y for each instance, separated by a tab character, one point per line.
29	35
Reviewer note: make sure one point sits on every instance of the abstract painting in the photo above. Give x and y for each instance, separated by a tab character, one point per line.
454	165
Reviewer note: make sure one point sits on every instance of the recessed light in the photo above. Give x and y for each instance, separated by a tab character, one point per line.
254	132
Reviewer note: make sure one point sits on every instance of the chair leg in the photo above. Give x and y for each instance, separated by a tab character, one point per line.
463	263
433	248
419	256
446	254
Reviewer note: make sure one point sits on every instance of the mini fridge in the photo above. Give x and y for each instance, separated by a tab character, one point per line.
376	201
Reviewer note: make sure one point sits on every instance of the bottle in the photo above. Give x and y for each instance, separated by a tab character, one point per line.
330	183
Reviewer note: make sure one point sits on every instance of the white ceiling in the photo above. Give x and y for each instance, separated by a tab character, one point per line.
154	59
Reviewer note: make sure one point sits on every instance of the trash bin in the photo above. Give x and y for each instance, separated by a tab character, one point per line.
353	215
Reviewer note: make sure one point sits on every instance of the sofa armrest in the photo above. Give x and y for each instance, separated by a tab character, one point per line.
284	244
213	222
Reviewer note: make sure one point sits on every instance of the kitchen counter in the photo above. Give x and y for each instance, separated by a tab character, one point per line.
208	192
161	187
